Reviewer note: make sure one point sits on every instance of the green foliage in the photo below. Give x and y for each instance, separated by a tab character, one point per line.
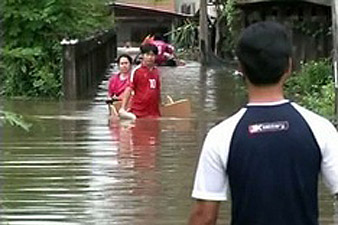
313	87
185	39
229	24
231	14
313	28
185	35
31	72
32	52
14	120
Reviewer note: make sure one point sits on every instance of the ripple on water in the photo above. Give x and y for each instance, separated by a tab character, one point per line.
75	167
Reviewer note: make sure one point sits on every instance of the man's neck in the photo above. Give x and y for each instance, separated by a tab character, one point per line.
265	93
150	67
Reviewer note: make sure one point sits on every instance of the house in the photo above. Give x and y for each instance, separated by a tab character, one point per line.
308	22
135	19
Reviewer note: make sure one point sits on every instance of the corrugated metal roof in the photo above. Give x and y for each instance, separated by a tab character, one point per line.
168	5
319	2
146	9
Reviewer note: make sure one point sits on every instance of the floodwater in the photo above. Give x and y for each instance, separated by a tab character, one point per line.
77	167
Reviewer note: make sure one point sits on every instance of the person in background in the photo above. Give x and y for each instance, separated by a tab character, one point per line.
166	52
269	154
119	81
145	85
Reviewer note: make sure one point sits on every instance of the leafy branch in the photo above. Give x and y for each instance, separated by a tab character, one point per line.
14	120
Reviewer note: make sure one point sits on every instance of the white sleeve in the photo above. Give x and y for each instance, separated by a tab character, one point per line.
211	179
211	182
327	138
330	159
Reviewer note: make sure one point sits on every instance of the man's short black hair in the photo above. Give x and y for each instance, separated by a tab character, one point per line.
158	37
264	50
146	48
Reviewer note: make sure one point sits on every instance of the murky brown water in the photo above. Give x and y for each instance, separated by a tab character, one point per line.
76	167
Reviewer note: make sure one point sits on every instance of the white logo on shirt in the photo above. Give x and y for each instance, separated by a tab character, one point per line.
152	83
268	127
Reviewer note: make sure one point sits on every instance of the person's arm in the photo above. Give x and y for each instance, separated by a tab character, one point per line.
204	213
211	180
126	97
110	90
125	101
329	164
111	85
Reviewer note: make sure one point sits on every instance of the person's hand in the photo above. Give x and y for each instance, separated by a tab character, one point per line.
181	62
114	98
126	115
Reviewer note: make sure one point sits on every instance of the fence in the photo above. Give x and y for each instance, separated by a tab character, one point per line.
85	63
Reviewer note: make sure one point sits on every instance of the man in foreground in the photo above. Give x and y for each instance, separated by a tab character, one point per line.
270	153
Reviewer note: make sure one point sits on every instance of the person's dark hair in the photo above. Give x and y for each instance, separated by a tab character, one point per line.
158	37
264	50
146	48
130	59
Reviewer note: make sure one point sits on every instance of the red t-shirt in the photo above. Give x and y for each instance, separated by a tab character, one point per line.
117	85
147	92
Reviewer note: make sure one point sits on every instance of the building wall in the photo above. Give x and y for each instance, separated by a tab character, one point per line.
135	31
308	25
187	6
134	28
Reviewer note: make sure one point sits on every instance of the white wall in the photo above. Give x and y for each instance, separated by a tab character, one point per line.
194	7
182	5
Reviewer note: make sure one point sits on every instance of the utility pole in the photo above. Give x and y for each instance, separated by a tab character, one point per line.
335	50
204	44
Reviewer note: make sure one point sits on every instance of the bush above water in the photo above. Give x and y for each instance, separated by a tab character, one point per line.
313	87
32	55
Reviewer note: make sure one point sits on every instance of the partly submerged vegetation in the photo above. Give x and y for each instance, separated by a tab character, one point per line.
31	52
14	120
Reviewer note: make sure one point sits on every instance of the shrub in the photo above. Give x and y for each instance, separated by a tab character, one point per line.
313	87
32	52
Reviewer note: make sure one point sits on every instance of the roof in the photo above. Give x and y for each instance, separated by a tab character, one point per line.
319	2
157	4
125	10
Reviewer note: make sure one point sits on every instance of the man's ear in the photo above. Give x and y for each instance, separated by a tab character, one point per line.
240	72
289	69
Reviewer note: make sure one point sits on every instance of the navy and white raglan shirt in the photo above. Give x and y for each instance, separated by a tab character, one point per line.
270	155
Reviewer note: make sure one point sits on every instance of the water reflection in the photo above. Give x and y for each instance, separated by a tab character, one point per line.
78	167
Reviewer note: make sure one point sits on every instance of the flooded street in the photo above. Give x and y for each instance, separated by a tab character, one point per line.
75	166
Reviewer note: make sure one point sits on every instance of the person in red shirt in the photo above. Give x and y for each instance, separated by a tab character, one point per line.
166	51
146	86
119	81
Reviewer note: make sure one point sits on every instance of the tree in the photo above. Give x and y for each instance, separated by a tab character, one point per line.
32	52
204	42
335	49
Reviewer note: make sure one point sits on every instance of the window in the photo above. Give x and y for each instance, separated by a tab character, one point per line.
210	2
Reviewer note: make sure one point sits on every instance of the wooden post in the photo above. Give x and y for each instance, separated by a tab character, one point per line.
70	82
335	50
1	35
204	44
